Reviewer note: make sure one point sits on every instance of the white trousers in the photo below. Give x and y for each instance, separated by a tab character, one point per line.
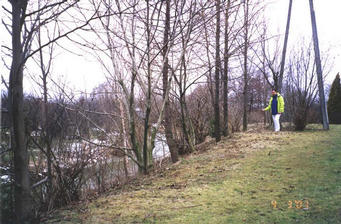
275	118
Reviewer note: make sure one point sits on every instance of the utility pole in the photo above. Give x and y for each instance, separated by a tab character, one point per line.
319	68
280	80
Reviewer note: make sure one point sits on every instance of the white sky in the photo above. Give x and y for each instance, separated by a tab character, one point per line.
84	73
328	25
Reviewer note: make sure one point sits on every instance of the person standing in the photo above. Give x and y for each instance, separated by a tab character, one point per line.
276	104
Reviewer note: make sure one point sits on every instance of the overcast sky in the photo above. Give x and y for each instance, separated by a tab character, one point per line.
328	25
84	73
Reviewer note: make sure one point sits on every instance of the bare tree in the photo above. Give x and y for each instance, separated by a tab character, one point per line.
25	22
225	75
168	117
245	66
217	133
45	64
138	56
302	84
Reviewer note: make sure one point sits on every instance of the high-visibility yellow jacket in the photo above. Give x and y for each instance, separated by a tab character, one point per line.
280	103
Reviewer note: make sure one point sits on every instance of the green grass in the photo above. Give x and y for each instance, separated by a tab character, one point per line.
235	181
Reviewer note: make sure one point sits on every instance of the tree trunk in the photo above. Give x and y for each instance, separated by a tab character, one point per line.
184	114
225	77
132	126
168	115
217	76
319	68
184	117
131	108
149	96
22	196
124	138
245	92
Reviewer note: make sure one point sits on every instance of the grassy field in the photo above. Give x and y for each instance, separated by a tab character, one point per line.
253	177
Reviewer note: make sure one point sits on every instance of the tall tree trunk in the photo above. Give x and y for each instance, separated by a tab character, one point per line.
217	76
319	68
124	138
132	125
168	115
185	118
245	92
22	196
183	106
149	95
11	147
280	79
131	107
225	77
